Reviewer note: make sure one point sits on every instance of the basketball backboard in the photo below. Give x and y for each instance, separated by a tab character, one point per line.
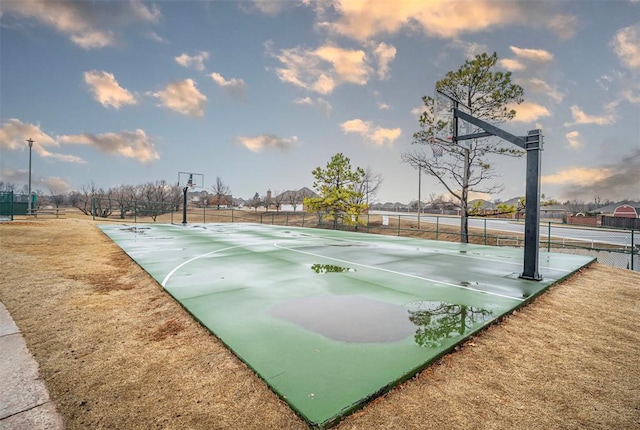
190	180
444	120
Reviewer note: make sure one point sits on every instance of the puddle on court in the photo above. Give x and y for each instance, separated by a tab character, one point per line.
469	283
357	319
437	321
348	318
330	268
134	229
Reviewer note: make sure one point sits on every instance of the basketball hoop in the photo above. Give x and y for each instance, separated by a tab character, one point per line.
437	148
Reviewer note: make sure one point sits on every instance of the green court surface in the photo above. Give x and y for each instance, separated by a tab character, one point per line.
329	319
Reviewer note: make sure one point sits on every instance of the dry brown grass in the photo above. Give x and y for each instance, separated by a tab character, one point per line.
116	351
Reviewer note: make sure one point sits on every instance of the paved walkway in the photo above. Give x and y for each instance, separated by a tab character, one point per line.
24	399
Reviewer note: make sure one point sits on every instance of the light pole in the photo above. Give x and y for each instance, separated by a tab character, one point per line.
419	193
30	142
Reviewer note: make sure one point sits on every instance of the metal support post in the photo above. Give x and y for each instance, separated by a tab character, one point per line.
532	210
184	205
30	209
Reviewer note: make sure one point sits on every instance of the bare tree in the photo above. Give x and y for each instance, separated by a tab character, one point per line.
221	193
56	198
277	200
575	205
155	198
267	201
255	202
7	186
490	96
83	199
124	198
293	199
303	193
369	186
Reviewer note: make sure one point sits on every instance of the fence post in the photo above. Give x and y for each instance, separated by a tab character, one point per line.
93	207
303	213
261	218
549	237
485	231
204	214
135	213
437	226
398	225
367	222
633	248
272	214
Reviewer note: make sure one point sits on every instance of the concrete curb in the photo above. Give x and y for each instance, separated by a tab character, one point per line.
24	399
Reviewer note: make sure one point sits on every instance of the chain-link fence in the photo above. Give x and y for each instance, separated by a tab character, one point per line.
12	204
613	247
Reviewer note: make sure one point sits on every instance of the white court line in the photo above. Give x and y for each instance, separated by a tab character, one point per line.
178	267
397	273
475	257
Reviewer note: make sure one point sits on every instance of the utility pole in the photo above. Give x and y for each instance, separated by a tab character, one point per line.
30	142
419	193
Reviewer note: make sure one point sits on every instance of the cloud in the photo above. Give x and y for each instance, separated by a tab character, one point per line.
541	87
262	141
129	144
14	133
319	102
233	86
349	65
577	176
156	37
107	91
195	61
529	112
385	54
536	55
579	117
523	56
55	184
369	131
418	111
323	68
87	24
471	49
383	106
363	20
270	7
626	45
182	97
511	64
616	181
574	139
564	26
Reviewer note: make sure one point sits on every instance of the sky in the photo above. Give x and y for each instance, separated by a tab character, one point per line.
260	93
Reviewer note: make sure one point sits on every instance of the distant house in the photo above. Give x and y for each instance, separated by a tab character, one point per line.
625	215
481	207
292	200
627	211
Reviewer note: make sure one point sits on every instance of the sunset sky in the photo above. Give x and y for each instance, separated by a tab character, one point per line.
260	93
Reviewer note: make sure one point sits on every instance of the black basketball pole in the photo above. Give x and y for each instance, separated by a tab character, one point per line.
184	205
532	143
184	198
532	208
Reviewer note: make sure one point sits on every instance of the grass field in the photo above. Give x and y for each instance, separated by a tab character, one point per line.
116	351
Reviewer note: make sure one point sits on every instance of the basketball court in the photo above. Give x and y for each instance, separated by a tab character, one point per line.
331	319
